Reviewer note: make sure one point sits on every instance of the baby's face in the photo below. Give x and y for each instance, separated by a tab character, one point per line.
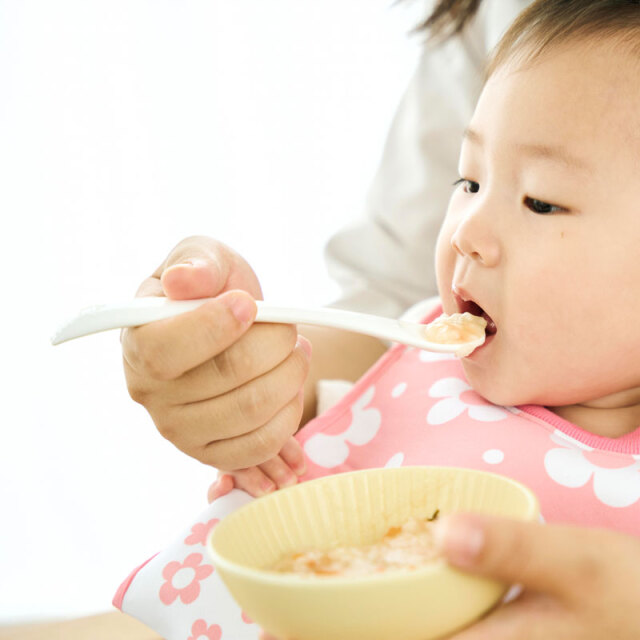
544	233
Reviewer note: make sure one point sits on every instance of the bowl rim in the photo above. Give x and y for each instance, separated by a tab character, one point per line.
271	577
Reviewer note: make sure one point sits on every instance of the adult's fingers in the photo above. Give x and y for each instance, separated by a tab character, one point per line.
195	336
223	485
264	345
256	447
196	278
258	481
200	267
254	481
237	412
197	267
279	472
293	455
558	560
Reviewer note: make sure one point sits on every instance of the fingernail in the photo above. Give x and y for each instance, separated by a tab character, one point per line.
267	486
289	480
242	308
300	468
305	344
191	262
460	540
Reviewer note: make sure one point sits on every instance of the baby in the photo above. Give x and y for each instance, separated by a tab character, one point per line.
541	238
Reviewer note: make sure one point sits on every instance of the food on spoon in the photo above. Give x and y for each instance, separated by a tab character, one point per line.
409	546
458	328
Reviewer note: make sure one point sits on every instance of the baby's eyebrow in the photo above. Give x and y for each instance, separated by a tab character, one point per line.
545	151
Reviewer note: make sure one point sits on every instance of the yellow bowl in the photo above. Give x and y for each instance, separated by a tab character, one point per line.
358	508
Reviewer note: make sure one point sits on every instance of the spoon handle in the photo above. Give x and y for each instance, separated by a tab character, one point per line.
119	315
139	311
365	323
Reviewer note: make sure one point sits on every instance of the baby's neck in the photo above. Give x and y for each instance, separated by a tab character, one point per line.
611	417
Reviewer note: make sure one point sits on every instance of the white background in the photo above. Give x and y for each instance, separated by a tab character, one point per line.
124	127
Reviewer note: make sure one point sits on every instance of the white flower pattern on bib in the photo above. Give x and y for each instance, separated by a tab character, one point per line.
616	485
330	451
458	397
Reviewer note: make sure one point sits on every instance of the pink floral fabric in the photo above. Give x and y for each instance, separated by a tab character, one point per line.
411	408
188	587
200	631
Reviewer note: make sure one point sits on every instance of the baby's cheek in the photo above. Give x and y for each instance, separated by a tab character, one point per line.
445	265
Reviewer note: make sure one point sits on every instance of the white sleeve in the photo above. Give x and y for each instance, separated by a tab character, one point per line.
384	262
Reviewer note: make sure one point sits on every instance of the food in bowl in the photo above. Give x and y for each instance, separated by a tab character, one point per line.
408	546
357	509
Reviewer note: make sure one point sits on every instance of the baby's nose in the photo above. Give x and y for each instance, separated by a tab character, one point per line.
474	239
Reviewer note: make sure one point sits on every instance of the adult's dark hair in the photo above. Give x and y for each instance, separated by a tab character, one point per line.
447	18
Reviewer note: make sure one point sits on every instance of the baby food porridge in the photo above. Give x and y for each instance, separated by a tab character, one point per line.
458	327
406	547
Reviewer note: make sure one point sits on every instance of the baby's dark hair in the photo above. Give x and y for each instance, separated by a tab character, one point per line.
558	17
550	23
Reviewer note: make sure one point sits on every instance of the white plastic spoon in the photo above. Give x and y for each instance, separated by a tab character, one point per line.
139	311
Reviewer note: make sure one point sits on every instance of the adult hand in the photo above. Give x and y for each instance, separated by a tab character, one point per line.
579	584
222	389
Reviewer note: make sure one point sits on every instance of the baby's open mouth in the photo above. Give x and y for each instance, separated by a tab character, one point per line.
470	306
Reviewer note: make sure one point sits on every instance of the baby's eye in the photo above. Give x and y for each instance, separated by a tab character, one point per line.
539	206
469	185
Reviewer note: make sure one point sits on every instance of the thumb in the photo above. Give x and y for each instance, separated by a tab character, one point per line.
201	267
546	558
194	277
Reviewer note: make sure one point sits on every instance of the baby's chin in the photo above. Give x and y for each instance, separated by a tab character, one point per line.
489	387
